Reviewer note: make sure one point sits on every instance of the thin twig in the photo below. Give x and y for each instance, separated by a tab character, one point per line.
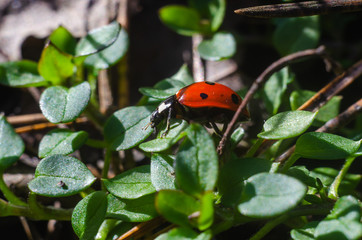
26	119
330	126
142	229
325	94
41	126
274	67
299	9
197	63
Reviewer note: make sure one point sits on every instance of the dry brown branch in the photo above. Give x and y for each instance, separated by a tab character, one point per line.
274	67
26	119
298	9
325	94
141	229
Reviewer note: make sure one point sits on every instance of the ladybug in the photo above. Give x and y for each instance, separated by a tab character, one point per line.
204	102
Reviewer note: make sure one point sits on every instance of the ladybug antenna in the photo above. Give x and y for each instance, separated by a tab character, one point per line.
145	127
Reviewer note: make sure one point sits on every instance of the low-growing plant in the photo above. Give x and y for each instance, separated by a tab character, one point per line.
199	191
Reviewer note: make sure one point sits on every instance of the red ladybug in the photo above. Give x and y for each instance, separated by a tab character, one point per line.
204	102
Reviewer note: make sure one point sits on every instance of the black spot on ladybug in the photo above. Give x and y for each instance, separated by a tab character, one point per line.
210	83
234	98
203	95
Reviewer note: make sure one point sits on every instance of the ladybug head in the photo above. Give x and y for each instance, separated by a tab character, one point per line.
163	111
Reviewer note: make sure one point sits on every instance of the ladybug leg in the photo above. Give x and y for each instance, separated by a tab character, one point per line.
216	129
168	120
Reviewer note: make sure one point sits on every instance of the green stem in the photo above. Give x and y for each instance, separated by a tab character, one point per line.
39	212
9	195
96	143
333	190
97	118
320	209
291	160
254	148
107	161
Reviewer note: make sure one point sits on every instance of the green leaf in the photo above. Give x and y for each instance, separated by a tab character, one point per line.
162	172
237	136
343	222
161	144
110	55
177	207
275	88
183	20
184	233
59	104
59	176
163	89
296	34
119	229
327	175
317	145
22	73
196	162
131	184
124	129
206	217
135	210
234	172
11	145
287	125
212	10
302	174
89	214
54	65
325	113
98	39
221	46
269	195
63	40
304	233
61	141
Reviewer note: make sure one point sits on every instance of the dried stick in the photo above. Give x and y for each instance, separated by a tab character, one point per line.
325	94
299	9
198	66
274	67
26	118
141	229
330	126
41	126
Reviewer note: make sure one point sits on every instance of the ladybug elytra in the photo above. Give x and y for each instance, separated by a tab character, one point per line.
204	102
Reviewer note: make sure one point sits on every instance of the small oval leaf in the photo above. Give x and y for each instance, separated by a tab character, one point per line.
124	129
196	162
59	104
177	207
132	210
110	55
11	145
21	74
183	20
54	65
98	39
131	184
89	214
59	176
316	145
287	125
61	141
221	46
268	195
162	172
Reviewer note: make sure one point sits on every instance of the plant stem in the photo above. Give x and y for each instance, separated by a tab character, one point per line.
320	209
333	190
291	160
9	195
107	161
254	148
96	143
95	116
